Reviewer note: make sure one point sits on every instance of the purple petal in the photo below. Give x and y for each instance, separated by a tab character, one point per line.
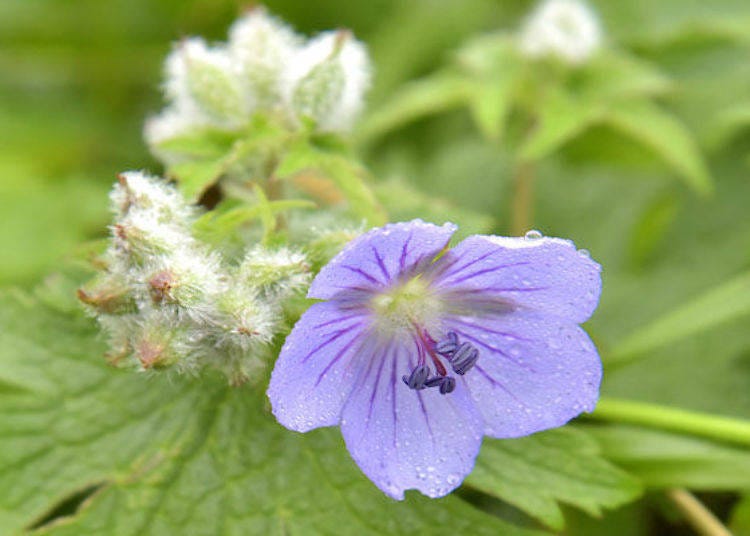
546	274
317	367
534	371
405	439
380	256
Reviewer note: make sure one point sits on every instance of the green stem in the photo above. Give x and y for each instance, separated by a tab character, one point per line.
522	210
700	518
678	420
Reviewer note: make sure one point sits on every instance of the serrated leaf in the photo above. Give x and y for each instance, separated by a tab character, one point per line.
346	174
174	455
724	303
421	98
666	136
538	472
560	118
664	459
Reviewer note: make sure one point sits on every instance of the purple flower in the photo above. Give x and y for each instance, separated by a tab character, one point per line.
420	351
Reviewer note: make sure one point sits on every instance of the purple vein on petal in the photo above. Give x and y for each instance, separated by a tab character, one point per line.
497	384
361	272
489	330
393	402
484	290
381	264
336	358
337	320
495	349
336	335
405	252
484	271
375	387
448	271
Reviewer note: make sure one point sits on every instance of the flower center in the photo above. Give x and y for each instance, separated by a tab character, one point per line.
462	356
405	305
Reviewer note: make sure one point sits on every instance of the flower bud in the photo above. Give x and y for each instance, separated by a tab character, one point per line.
328	79
565	29
202	79
260	46
276	274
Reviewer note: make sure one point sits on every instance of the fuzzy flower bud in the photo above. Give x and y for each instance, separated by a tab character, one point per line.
565	29
277	273
261	46
201	81
168	301
328	79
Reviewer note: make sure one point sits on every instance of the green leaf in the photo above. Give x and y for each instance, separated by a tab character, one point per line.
174	455
536	473
560	118
724	303
490	104
664	459
195	176
666	136
651	228
617	74
346	174
739	521
428	96
204	143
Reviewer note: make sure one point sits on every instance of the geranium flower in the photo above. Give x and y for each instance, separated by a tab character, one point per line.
419	350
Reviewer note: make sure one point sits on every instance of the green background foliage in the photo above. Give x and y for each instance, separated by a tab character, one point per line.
164	457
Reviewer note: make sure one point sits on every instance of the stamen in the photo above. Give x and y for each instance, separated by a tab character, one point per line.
418	377
445	383
464	358
447	346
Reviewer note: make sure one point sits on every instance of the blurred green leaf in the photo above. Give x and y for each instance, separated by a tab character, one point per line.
201	144
560	117
666	136
651	228
347	175
174	455
739	521
437	93
535	473
728	301
664	459
617	74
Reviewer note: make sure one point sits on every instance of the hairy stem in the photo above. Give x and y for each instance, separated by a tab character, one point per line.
700	518
678	420
522	209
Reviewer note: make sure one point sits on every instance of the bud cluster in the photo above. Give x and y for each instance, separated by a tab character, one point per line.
264	67
165	299
564	29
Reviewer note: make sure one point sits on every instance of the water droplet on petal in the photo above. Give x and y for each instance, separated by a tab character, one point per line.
533	235
584	253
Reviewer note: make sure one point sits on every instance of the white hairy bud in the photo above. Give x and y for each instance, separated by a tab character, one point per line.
202	81
261	46
565	29
328	79
276	273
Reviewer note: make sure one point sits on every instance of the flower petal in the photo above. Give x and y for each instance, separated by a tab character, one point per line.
380	256
405	439
317	367
534	371
545	274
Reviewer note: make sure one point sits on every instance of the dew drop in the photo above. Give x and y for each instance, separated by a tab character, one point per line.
533	235
584	253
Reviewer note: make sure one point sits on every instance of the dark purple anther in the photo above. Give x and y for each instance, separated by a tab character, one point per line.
448	345
417	378
464	358
445	383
